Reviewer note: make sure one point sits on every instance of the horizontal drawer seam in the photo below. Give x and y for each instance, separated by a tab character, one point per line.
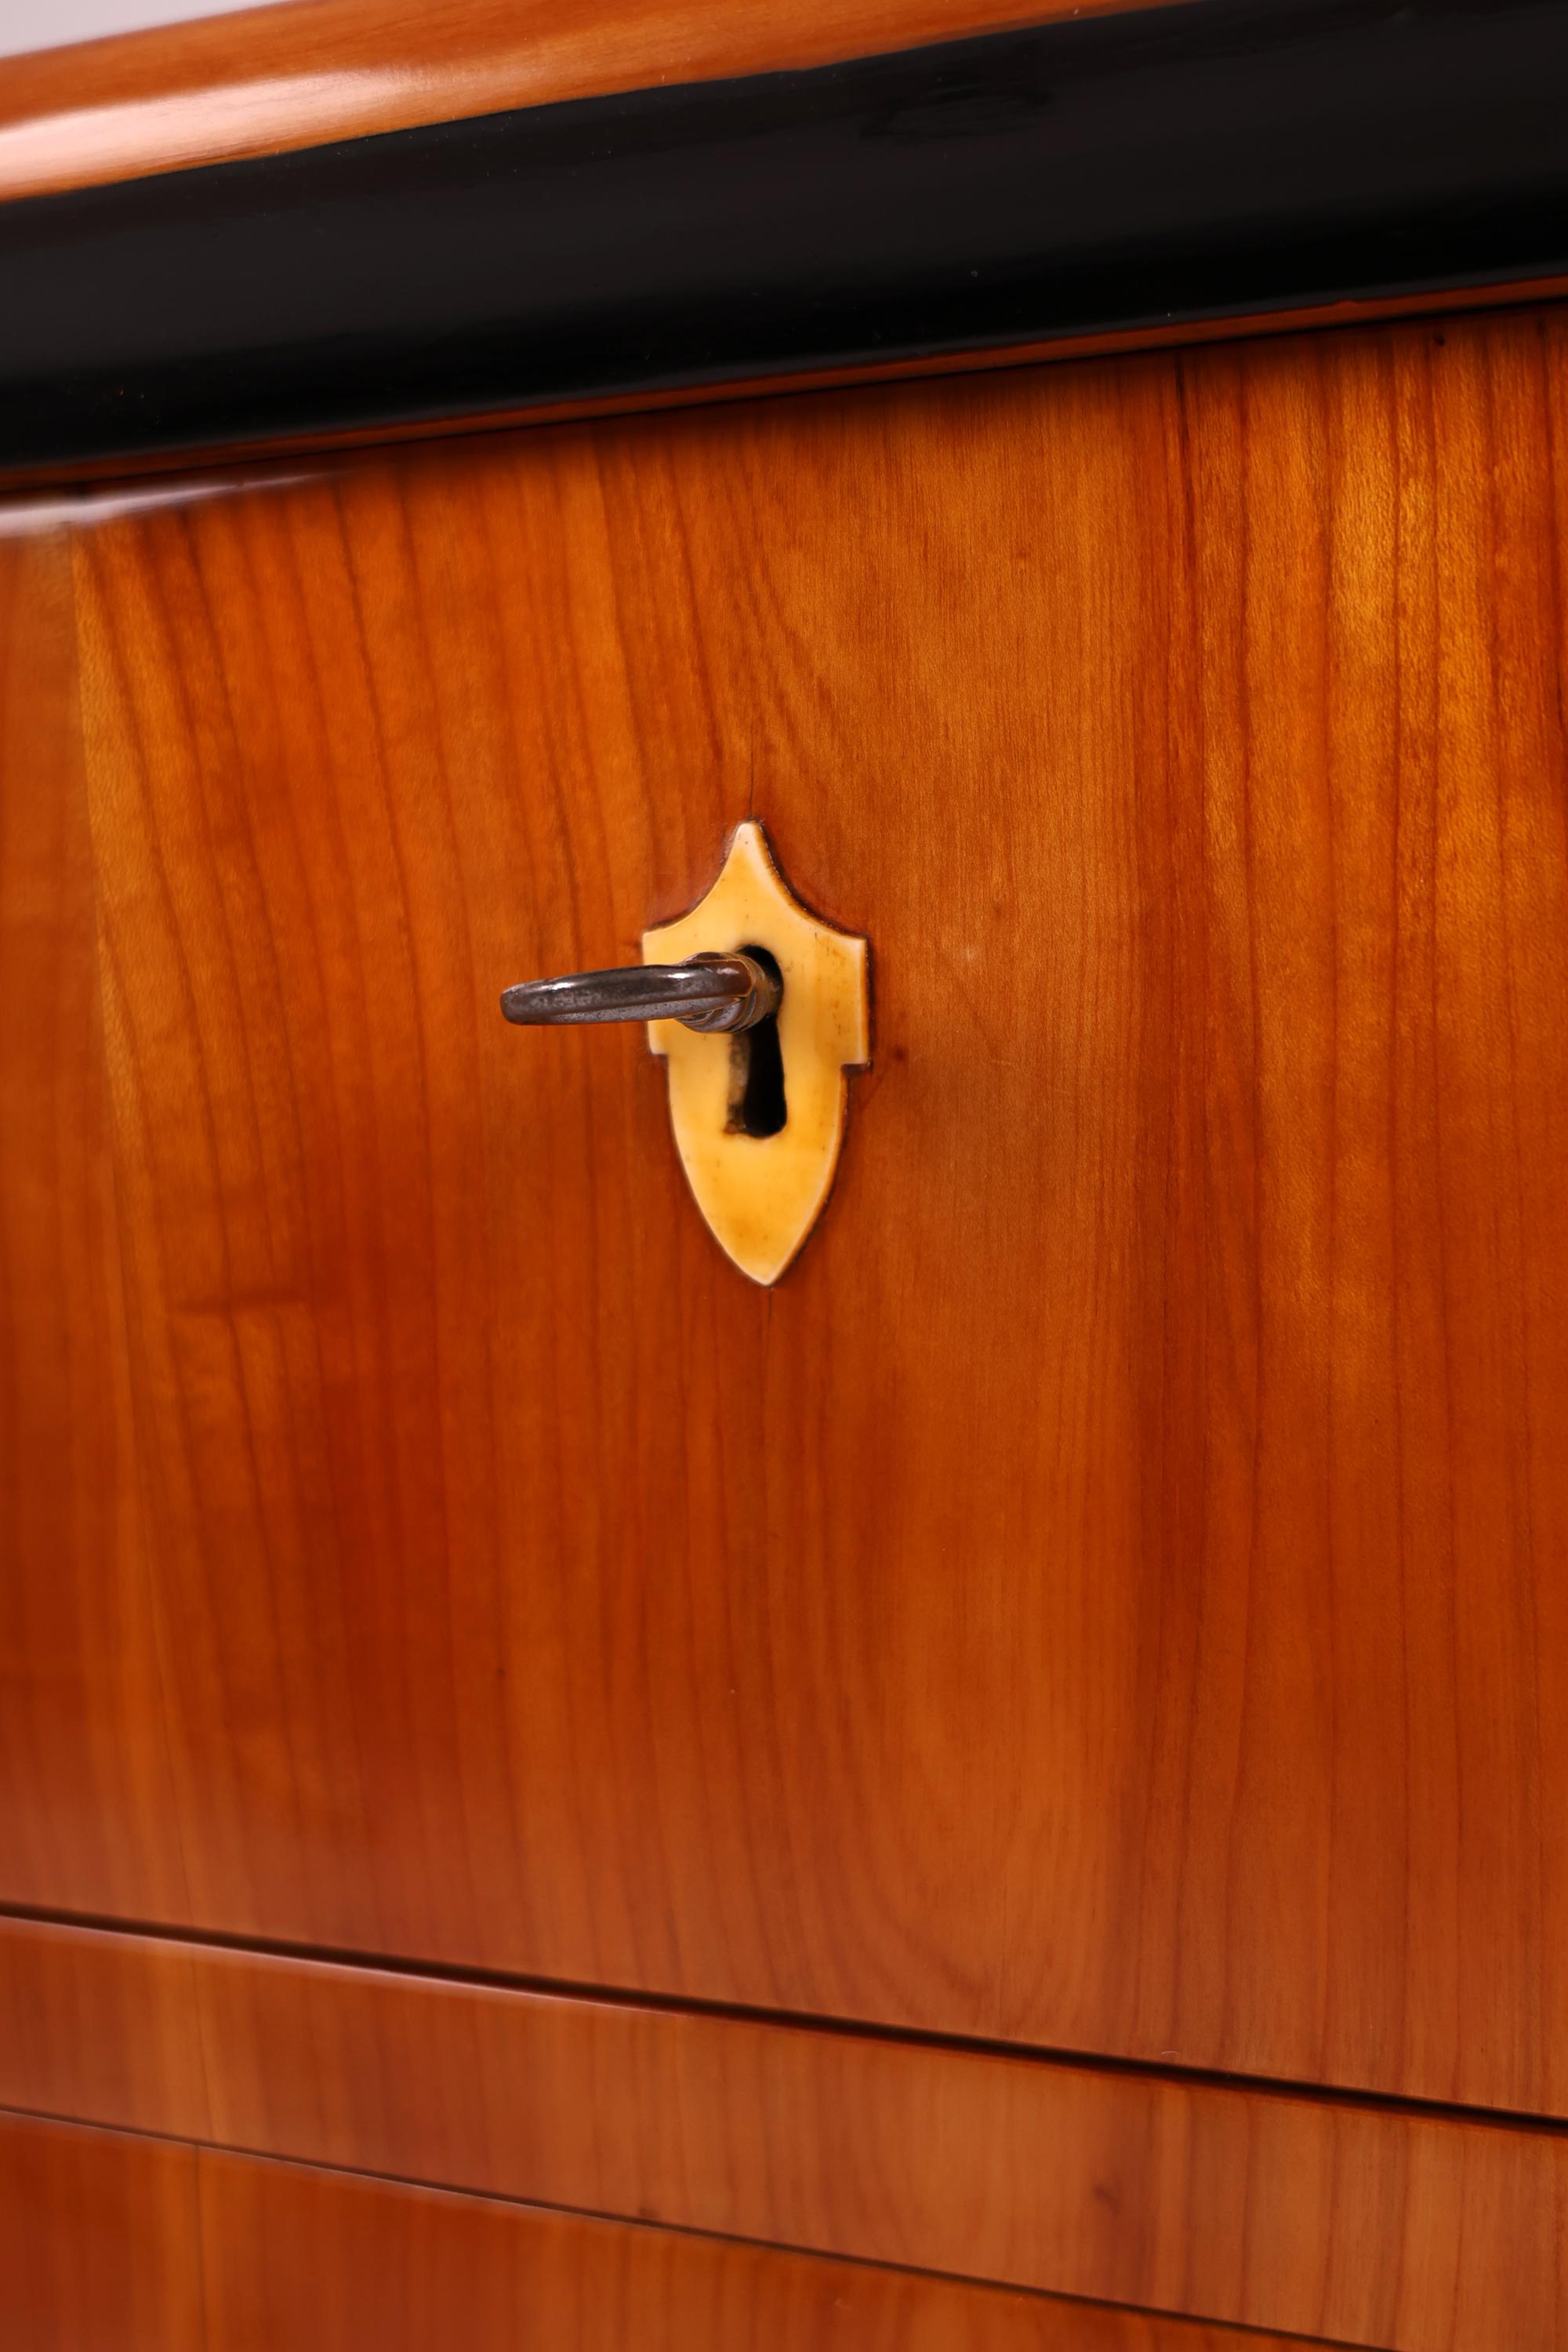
678	2005
676	2229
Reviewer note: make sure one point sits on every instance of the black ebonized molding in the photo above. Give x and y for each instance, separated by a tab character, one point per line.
1217	158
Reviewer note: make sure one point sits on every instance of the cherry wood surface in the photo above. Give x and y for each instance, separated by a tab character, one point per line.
83	1756
262	80
1363	2224
1111	1595
101	2244
108	2240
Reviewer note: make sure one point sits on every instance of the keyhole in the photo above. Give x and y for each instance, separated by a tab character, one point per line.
757	1106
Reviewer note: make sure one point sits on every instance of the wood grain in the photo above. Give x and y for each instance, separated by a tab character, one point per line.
82	1759
262	80
99	2243
293	2256
111	2241
1368	2225
1111	1595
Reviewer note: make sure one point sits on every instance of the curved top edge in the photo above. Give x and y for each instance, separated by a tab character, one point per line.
1122	175
267	80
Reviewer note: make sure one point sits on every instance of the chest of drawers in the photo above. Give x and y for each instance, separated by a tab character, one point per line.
1008	1786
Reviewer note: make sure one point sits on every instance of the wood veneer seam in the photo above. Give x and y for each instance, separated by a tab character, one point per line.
403	2180
681	2005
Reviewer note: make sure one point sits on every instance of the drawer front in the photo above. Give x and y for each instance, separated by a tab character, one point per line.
152	2247
1350	2219
1111	1594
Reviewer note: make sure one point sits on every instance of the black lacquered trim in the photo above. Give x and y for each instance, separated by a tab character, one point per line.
1209	159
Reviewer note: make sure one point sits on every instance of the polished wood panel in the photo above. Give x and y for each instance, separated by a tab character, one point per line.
83	1765
1111	1594
1378	2226
99	2247
294	2256
260	81
99	2243
100	2028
